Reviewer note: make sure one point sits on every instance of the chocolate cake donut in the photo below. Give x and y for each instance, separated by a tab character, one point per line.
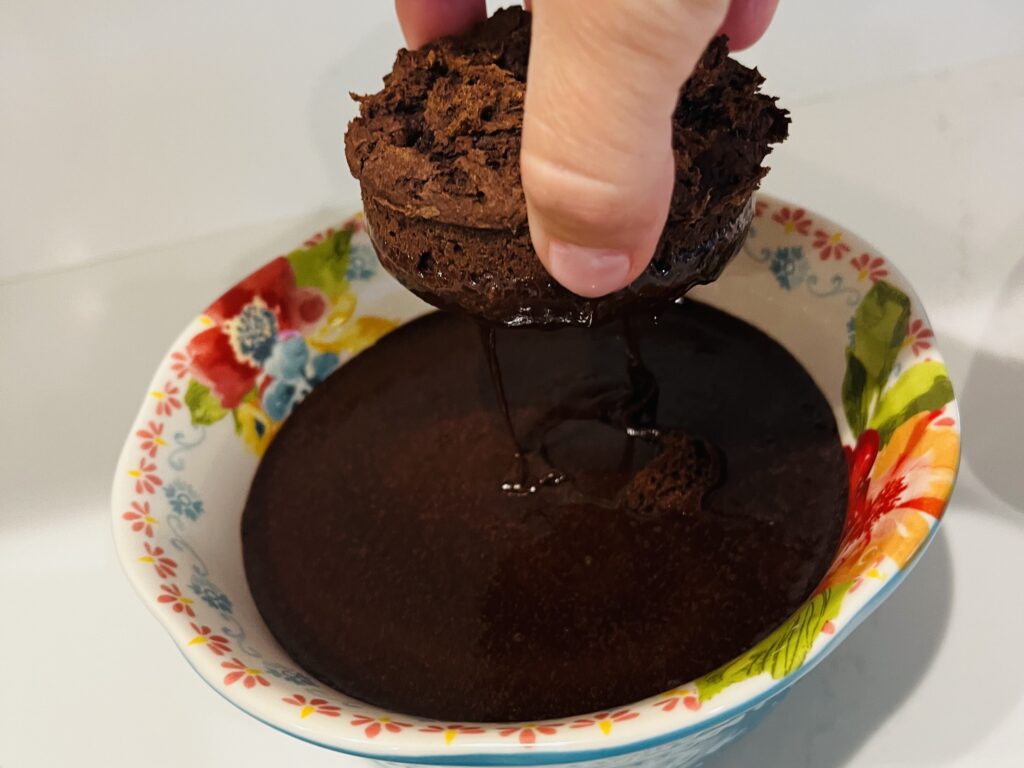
437	156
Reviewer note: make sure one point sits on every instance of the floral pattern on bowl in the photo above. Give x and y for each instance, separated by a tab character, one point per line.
239	369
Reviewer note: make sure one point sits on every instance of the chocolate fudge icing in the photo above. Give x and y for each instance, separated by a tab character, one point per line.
386	559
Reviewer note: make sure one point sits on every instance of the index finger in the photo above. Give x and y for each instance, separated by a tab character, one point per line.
426	20
746	21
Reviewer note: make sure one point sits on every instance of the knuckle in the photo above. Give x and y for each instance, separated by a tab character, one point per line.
579	200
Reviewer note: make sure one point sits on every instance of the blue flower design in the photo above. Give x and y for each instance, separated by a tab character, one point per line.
295	373
253	332
288	674
288	358
789	267
184	499
851	330
362	264
208	592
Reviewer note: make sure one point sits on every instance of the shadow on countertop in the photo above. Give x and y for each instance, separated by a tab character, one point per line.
989	397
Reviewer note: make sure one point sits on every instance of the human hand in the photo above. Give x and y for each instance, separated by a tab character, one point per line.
596	159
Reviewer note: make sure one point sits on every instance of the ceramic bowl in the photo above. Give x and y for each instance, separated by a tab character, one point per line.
217	400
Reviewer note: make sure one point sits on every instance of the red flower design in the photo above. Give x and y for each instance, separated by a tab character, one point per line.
165	566
869	268
451	731
250	676
374	725
152	438
605	720
181	364
244	321
793	220
167	401
140	518
685	696
860	514
918	337
178	602
216	643
312	706
890	488
528	733
830	246
759	208
146	479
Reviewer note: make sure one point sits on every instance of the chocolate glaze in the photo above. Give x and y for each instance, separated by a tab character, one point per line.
525	476
388	562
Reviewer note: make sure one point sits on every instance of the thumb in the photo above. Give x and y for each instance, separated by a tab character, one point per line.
596	161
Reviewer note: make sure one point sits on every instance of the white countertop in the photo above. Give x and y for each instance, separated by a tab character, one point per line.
907	129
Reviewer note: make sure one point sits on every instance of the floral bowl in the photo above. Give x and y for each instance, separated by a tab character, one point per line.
240	367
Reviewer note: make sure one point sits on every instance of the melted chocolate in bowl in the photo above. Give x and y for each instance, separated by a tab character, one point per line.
387	560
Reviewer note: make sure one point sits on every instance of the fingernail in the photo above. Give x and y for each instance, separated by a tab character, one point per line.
589	272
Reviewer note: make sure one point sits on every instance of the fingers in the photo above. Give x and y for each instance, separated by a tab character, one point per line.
747	21
597	163
426	20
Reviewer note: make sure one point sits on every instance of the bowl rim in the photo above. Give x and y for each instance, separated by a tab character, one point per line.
511	752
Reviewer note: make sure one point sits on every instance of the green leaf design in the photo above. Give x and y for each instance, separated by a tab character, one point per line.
784	650
203	404
854	388
324	264
880	325
252	396
922	387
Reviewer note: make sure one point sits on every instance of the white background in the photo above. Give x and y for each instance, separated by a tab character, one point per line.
128	124
151	153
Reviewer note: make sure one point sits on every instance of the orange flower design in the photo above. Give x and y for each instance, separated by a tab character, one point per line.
830	246
152	439
312	706
793	220
869	267
140	518
165	566
605	720
181	364
218	644
250	676
671	699
374	725
895	493
146	479
167	401
528	733
319	237
177	601
919	338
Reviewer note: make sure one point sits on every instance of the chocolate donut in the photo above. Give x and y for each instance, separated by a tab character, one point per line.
437	156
